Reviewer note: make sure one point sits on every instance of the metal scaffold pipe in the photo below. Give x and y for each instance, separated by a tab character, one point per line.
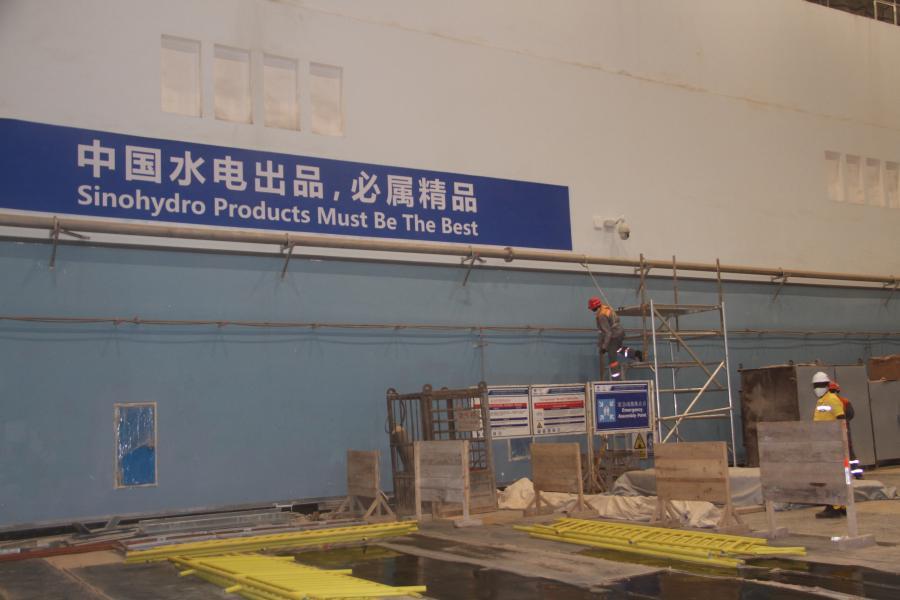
289	240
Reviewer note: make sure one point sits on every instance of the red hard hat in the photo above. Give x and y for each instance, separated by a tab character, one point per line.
834	387
594	303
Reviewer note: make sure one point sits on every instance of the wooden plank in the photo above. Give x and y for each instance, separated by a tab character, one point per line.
803	473
441	482
691	468
442	471
690	450
792	431
442	459
363	473
812	495
799	481
450	447
803	462
442	495
556	467
801	451
693	471
707	491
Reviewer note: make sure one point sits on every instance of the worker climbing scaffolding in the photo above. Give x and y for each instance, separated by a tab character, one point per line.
612	336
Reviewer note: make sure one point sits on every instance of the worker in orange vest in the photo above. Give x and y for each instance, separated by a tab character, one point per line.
835	388
611	337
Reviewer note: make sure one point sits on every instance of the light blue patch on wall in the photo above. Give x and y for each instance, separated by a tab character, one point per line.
135	444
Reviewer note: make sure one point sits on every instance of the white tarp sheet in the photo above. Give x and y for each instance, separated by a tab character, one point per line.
635	508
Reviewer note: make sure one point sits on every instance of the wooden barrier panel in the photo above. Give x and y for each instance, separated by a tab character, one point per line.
364	481
442	474
362	473
805	462
556	468
693	471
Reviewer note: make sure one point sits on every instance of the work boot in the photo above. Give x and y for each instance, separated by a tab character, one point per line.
614	370
831	512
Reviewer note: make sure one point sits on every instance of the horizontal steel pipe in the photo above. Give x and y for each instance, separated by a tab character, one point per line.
436	248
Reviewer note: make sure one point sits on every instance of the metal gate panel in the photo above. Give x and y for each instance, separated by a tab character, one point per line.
434	415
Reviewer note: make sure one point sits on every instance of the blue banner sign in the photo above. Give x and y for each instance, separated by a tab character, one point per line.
623	406
62	170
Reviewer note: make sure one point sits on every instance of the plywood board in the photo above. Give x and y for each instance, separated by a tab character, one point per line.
556	467
803	462
363	481
363	477
442	473
693	471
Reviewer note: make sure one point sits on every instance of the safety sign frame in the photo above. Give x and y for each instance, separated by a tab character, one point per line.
563	396
507	417
613	401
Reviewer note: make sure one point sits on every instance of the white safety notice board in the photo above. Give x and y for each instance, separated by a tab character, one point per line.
509	411
558	409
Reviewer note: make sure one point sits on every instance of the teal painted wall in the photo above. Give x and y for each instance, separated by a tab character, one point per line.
254	415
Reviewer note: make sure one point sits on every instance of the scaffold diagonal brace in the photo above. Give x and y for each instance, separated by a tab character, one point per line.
697	397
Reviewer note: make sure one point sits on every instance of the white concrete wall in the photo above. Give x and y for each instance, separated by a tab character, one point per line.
704	122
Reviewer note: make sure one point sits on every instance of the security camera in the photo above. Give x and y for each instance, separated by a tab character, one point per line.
619	225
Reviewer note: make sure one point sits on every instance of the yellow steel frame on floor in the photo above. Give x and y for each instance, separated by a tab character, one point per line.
260	577
294	539
691	546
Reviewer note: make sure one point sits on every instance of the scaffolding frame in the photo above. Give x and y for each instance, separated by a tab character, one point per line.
661	323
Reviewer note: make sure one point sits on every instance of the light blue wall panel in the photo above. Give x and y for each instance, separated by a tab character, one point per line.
251	415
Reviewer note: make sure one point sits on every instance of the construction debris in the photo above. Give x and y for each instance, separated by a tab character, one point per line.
258	577
299	539
689	546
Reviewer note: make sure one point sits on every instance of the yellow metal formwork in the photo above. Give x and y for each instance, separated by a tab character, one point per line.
691	546
294	539
260	577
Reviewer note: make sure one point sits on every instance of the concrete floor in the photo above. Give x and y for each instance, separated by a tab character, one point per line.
880	518
497	548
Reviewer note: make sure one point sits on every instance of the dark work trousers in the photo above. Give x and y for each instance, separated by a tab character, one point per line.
612	353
